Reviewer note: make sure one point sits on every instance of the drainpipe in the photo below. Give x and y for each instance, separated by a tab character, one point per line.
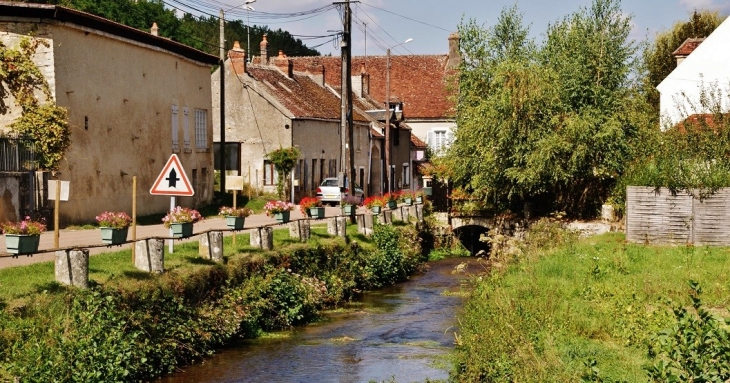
370	159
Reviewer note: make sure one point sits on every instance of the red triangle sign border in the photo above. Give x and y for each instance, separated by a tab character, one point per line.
158	189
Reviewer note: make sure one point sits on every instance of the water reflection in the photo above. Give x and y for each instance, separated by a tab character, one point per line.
403	332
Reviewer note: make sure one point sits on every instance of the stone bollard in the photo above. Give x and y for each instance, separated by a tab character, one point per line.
387	217
337	226
416	211
262	237
608	213
72	267
369	223
406	213
360	220
211	246
150	255
397	214
300	229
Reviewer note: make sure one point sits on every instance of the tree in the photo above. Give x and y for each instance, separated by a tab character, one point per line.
658	57
284	160
549	127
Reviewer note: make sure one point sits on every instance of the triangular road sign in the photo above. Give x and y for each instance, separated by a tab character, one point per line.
172	180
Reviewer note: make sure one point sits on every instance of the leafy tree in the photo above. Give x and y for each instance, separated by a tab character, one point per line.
549	127
658	56
284	160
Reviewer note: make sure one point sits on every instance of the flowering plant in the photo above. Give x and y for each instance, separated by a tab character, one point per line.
374	201
277	207
350	200
309	202
389	197
181	215
113	219
405	194
231	212
24	227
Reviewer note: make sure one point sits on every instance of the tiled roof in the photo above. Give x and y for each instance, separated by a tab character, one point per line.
419	81
417	142
704	121
688	46
300	94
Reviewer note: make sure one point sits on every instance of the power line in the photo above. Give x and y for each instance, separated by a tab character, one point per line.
406	17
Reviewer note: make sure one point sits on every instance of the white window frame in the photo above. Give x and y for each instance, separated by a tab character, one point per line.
201	128
406	174
175	133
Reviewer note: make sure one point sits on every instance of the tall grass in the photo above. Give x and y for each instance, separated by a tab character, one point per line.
550	314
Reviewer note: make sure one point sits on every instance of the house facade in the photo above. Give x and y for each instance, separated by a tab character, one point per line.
133	99
269	106
700	84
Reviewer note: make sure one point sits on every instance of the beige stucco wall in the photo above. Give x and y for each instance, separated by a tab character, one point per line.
119	96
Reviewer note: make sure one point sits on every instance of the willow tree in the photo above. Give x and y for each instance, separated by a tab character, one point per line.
548	126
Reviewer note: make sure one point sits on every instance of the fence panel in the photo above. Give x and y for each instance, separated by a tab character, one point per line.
17	154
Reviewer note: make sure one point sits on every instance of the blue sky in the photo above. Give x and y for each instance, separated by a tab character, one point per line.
429	22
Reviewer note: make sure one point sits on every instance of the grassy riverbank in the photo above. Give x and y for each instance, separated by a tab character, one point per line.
132	326
567	310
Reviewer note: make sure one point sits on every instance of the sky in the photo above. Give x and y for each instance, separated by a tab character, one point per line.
429	22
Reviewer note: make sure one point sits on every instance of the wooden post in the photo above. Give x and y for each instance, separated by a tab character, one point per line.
57	207
134	217
235	192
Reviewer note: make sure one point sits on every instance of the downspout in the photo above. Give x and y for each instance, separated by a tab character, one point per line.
370	158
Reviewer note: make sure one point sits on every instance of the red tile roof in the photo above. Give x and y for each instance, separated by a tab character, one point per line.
300	94
688	46
417	142
419	81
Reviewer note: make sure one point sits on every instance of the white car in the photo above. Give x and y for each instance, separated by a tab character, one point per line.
329	193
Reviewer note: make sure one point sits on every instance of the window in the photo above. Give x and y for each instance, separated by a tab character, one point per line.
270	176
439	139
175	139
321	170
406	174
233	157
314	174
333	168
186	128
201	128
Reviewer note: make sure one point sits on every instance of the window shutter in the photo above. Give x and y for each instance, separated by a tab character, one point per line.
429	139
175	142
449	138
186	128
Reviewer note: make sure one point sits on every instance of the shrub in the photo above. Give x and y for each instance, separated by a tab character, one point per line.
116	220
309	202
24	227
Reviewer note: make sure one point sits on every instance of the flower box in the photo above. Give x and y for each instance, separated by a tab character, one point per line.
419	199
114	236
21	243
316	212
408	201
349	210
182	230
376	209
235	223
392	205
282	217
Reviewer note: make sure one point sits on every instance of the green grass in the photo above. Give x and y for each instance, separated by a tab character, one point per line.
117	267
543	318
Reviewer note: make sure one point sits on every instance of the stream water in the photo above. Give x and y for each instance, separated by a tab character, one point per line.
400	333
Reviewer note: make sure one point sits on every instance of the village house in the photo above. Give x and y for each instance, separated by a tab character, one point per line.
269	105
419	89
133	99
700	84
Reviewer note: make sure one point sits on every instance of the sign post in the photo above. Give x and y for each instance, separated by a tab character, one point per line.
234	183
172	181
57	191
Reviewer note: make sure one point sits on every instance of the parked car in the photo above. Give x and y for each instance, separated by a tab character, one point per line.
329	193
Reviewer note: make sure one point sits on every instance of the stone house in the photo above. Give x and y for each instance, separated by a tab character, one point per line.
419	89
133	99
701	71
269	105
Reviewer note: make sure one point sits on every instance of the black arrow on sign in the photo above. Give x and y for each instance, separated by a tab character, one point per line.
172	178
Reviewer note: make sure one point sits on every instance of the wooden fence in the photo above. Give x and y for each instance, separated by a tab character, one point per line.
659	217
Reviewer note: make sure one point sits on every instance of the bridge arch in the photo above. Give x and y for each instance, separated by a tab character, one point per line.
469	235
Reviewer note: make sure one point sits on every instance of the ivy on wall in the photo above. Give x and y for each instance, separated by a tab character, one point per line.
46	122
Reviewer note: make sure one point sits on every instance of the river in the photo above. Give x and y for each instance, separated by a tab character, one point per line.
401	333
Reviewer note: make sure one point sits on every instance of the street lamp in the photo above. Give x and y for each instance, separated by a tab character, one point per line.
248	26
389	174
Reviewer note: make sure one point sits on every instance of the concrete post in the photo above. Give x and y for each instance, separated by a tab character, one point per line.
406	213
417	212
360	220
300	229
387	217
337	226
263	238
397	214
211	246
369	222
150	255
72	267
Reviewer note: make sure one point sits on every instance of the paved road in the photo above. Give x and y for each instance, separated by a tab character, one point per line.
84	238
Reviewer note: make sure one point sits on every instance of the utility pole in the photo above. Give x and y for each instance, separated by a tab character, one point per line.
222	69
387	121
347	37
346	128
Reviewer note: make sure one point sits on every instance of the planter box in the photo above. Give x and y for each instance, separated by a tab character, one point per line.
235	223
376	209
316	212
408	201
419	199
349	210
22	244
112	236
182	230
392	205
282	217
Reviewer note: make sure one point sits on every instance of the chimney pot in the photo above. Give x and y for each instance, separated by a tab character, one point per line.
264	46
154	30
237	57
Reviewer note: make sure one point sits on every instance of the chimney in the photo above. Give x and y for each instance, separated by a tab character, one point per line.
264	56
454	58
154	29
284	64
364	82
237	57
